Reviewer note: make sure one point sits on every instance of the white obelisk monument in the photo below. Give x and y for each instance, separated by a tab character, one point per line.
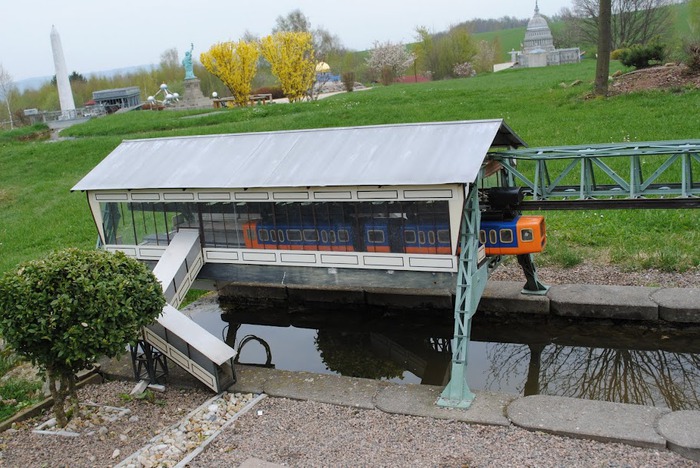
65	94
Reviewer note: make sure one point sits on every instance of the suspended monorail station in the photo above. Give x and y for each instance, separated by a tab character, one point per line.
405	206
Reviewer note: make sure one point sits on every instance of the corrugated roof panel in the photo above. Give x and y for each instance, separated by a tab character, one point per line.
406	154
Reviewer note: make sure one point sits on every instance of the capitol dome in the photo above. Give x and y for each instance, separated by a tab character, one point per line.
538	36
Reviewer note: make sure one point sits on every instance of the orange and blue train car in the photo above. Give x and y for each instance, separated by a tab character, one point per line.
517	236
258	234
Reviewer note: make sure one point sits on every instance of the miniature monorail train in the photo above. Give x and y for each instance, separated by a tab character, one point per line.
517	236
520	235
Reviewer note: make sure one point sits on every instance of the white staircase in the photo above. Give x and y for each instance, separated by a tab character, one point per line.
174	334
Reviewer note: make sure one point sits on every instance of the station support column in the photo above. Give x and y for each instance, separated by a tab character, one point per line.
471	281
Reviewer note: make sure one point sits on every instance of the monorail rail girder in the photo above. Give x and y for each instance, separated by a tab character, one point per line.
607	176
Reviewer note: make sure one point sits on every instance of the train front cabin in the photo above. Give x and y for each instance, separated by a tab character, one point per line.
521	235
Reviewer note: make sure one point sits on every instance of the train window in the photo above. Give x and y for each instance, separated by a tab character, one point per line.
493	237
273	235
280	235
444	236
431	237
482	236
263	235
526	235
293	235
375	236
331	235
324	237
310	235
421	237
506	236
343	235
409	237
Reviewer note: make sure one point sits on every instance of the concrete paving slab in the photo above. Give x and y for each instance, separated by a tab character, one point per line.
419	400
324	388
599	301
251	379
681	429
678	304
505	297
598	420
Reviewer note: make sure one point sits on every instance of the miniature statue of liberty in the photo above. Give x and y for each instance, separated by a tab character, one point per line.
187	63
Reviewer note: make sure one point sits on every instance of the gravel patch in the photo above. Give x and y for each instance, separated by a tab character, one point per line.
301	433
107	443
592	273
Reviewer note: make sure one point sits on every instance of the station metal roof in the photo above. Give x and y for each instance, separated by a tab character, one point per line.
399	154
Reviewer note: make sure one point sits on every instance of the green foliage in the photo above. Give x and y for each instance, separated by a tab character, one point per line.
65	311
694	18
439	53
18	394
642	55
147	396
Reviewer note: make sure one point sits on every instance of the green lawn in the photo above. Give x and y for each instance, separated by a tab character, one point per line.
38	213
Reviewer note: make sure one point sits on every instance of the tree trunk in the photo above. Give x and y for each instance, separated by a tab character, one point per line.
602	70
59	397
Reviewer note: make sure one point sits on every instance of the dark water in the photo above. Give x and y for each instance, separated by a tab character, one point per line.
593	360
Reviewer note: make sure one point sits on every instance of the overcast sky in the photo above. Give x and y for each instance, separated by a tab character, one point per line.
102	35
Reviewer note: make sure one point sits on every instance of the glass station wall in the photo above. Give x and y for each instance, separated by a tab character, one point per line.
398	227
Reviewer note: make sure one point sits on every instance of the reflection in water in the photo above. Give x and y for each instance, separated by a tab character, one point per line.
352	354
655	378
660	368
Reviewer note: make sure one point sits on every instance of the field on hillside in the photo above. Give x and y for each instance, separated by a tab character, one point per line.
38	213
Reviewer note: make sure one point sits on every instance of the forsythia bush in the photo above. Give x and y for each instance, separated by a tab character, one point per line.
235	64
291	58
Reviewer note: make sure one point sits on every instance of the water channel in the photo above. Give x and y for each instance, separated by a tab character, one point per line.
600	360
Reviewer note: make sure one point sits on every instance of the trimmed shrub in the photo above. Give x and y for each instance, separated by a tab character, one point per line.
643	56
67	310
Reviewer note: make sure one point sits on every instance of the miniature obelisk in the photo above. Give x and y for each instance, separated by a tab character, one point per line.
65	94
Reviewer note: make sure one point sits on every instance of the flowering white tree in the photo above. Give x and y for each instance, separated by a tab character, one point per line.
389	60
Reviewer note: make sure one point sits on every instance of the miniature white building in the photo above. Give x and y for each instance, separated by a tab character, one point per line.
538	46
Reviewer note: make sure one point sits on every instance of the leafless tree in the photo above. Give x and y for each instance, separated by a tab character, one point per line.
7	86
632	21
325	43
295	21
169	58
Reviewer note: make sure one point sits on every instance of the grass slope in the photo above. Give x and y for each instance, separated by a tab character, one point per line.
38	213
